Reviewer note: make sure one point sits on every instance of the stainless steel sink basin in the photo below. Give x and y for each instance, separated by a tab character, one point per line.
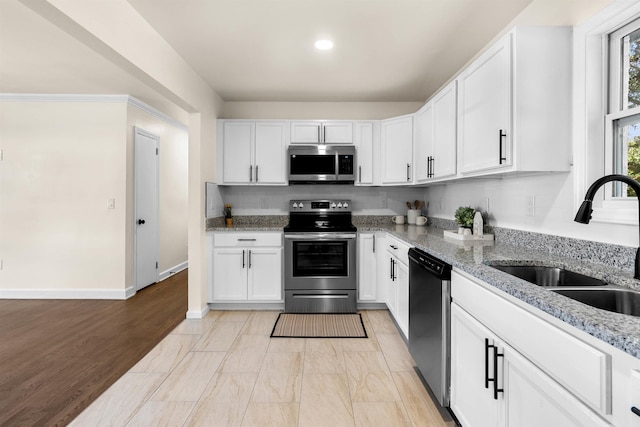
618	300
549	276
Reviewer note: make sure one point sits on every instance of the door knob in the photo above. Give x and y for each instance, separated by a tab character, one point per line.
141	221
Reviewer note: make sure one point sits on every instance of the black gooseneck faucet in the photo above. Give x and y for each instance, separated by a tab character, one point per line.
584	213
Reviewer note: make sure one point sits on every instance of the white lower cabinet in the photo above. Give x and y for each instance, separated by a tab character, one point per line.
247	267
493	384
397	282
367	274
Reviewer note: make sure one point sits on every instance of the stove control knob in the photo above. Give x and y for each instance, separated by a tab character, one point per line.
345	205
295	205
300	205
339	205
333	205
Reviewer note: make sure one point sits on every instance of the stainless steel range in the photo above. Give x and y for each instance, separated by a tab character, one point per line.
320	257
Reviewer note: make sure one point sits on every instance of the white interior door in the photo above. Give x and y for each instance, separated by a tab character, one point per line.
146	220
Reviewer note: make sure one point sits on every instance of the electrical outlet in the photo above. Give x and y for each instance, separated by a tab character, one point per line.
531	206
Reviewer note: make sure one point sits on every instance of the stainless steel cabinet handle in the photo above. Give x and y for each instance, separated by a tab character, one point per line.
360	174
494	380
393	247
242	259
249	259
256	173
246	240
635	410
408	172
374	243
251	173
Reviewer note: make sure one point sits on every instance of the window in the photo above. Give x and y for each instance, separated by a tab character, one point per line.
605	105
623	119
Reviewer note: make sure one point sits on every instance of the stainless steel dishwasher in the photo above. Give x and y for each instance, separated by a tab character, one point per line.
430	320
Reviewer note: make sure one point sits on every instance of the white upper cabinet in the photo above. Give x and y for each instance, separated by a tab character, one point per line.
396	139
253	152
434	137
366	138
321	132
514	104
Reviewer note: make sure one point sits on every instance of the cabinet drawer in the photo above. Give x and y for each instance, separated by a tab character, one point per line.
398	248
582	369
247	239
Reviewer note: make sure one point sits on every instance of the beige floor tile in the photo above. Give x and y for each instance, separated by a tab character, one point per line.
224	402
280	378
324	356
324	401
194	326
167	354
381	322
117	405
188	380
234	315
271	414
369	377
220	336
380	414
162	414
287	345
246	354
395	352
361	344
418	403
260	323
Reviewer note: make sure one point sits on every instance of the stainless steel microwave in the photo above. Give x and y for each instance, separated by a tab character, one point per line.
322	164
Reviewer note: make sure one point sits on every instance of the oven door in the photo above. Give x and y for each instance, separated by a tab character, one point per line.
320	261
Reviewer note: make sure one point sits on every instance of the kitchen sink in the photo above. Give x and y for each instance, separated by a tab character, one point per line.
549	276
618	300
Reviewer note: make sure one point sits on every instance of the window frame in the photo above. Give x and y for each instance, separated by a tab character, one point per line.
592	122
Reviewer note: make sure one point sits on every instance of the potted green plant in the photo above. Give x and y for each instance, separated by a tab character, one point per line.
228	217
464	218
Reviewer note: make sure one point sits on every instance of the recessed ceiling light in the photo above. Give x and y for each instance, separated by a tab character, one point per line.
324	44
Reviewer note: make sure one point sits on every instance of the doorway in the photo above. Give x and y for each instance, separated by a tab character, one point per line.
146	209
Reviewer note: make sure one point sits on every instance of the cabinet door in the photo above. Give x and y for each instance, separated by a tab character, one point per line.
423	129
484	110
402	299
364	154
397	150
367	289
237	163
337	132
444	132
305	132
264	269
534	399
229	274
471	402
270	153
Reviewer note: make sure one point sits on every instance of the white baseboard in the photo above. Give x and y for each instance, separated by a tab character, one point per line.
173	270
197	314
247	306
114	294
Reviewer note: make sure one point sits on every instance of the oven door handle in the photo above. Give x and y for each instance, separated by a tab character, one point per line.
320	236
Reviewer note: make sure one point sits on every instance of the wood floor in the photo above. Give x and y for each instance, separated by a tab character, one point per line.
58	356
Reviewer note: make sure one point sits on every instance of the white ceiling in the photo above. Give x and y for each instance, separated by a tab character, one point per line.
385	50
262	50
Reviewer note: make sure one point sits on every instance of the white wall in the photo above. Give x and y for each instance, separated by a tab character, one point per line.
318	110
554	206
62	162
275	200
173	187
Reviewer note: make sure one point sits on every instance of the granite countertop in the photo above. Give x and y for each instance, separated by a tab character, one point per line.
620	330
